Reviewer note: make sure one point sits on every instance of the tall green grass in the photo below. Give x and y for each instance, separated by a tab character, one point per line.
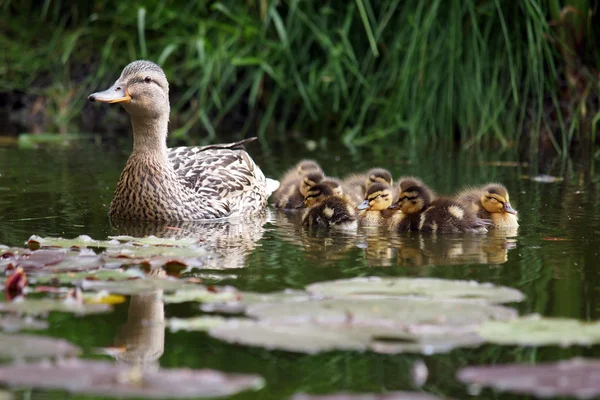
487	72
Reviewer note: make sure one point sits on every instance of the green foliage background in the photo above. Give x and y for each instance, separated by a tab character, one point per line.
491	72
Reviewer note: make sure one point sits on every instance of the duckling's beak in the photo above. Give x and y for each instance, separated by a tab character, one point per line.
508	208
116	94
393	206
301	205
363	206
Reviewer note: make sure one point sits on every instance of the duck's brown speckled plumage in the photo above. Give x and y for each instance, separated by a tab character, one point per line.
183	183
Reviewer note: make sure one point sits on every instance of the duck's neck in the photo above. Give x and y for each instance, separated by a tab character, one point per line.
150	136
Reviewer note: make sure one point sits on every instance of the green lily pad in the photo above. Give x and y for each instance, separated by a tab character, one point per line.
155	241
36	242
119	380
204	295
417	287
368	396
76	277
137	286
201	324
44	306
576	378
12	323
540	331
146	252
385	311
24	346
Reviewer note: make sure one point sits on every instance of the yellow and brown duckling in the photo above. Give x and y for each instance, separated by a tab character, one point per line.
326	209
357	185
491	202
183	183
295	184
421	212
374	210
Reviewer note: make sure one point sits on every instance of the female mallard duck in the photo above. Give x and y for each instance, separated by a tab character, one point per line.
491	202
373	211
326	209
179	184
421	213
357	185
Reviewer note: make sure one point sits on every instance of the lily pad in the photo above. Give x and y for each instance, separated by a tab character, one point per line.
76	277
201	324
137	286
574	378
368	396
384	311
48	260
146	252
12	323
23	346
155	241
417	287
36	242
44	306
118	380
539	331
203	294
245	299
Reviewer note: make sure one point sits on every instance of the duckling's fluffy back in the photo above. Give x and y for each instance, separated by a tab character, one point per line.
445	215
333	212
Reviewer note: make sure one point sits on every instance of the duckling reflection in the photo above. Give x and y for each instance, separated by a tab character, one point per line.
142	337
227	242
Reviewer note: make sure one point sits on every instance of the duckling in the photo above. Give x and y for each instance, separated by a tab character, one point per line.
357	185
444	215
327	209
183	183
491	202
373	211
294	190
316	194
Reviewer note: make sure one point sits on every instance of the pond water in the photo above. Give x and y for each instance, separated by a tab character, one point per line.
553	259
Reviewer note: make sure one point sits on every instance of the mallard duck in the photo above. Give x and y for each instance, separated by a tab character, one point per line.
356	185
420	212
183	183
373	211
491	202
326	209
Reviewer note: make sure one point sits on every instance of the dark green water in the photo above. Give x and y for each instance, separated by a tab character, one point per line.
67	193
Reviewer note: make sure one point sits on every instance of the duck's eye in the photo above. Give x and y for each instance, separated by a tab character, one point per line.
493	199
413	201
147	79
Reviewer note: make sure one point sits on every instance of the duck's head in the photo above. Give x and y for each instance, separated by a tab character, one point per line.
495	199
142	89
318	193
309	180
413	199
378	197
407	181
378	175
307	166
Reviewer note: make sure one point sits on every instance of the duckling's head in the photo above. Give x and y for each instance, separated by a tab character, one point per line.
306	166
413	199
378	175
495	199
142	89
378	197
407	181
318	193
309	180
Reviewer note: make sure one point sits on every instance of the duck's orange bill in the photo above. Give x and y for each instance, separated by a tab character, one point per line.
116	94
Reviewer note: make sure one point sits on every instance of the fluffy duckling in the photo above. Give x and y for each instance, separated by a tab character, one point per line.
358	184
421	213
295	184
491	202
326	209
373	211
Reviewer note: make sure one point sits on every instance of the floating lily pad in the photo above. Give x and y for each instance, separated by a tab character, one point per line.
118	380
417	287
155	241
245	299
195	324
76	277
44	306
203	294
137	286
24	346
399	312
574	378
368	396
12	323
539	331
147	252
36	242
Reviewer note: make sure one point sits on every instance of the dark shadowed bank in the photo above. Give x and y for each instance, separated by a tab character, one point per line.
493	72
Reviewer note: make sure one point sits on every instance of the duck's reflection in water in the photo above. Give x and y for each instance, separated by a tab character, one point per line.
227	242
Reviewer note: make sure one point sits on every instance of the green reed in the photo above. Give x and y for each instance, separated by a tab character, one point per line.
482	73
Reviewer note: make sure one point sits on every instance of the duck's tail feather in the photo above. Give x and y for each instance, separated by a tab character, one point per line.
272	185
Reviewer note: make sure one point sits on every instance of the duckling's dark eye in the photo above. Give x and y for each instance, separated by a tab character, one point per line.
147	79
413	201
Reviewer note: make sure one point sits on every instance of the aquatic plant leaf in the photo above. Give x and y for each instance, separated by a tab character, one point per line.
195	324
245	299
368	396
417	287
76	277
36	242
44	306
147	252
47	260
203	294
155	241
540	331
574	378
385	311
119	380
23	346
12	323
137	286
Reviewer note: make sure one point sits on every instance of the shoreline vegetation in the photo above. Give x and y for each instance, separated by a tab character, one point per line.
498	73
